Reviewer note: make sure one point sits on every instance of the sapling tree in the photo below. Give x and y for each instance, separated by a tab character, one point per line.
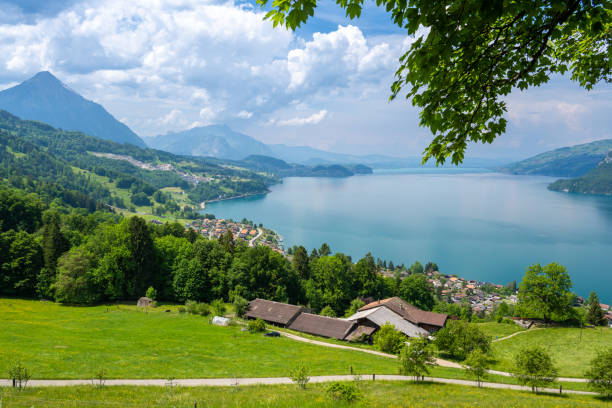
415	358
534	367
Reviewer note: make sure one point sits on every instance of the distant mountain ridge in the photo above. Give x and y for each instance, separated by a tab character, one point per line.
280	168
224	143
210	141
572	161
45	98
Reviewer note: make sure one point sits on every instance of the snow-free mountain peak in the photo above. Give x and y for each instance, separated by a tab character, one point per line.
47	99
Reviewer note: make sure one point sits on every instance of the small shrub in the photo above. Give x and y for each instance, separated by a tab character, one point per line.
388	339
218	307
299	375
256	326
240	305
343	391
191	306
151	293
181	310
99	377
19	374
202	309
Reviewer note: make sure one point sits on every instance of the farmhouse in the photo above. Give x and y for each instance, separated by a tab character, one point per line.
429	321
280	314
323	326
378	316
408	319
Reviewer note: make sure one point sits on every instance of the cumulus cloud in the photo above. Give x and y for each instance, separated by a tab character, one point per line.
211	61
245	114
310	120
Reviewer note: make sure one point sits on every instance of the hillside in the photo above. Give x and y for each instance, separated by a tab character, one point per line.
280	168
596	181
89	172
46	99
574	161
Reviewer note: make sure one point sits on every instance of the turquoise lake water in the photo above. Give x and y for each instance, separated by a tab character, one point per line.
477	224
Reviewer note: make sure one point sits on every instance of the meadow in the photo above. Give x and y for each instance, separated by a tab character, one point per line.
373	394
63	342
570	348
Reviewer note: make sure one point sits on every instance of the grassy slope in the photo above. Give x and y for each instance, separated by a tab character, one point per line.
570	353
73	342
374	394
494	329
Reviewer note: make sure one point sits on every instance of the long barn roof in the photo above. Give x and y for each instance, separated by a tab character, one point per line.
270	311
322	326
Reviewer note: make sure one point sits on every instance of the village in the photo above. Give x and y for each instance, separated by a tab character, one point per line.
245	231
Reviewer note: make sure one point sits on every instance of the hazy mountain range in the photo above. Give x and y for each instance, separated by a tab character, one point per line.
46	99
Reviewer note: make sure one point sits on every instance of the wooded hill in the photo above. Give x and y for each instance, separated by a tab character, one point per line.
88	172
573	161
596	181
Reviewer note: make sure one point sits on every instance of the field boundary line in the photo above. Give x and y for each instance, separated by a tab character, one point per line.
232	382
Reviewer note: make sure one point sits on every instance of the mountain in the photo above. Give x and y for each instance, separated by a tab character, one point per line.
46	99
88	172
222	142
596	181
574	161
281	168
210	141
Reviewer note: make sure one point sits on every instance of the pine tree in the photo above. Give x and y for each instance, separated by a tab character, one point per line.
594	314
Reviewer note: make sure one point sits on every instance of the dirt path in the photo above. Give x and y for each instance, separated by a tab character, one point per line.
439	361
229	382
514	334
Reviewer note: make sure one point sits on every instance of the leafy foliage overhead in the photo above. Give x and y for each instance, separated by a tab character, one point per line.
469	54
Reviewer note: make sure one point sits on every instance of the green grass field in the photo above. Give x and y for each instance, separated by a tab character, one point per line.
373	394
62	342
570	350
498	330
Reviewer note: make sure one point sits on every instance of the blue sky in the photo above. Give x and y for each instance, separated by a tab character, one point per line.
167	65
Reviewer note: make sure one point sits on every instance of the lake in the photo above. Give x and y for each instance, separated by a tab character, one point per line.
473	223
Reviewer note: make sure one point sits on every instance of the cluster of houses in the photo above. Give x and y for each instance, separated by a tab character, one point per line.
458	290
408	319
216	228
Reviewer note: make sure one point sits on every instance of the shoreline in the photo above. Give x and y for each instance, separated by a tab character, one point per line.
204	203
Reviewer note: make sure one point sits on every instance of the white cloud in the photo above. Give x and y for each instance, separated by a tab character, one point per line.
245	114
310	120
211	61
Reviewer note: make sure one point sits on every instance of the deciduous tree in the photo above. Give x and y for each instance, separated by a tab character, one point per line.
546	291
600	373
466	56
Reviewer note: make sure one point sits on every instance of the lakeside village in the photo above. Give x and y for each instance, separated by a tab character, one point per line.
247	231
